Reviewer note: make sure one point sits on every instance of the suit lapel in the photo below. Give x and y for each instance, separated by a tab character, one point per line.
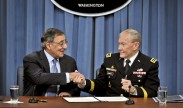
44	61
120	65
62	64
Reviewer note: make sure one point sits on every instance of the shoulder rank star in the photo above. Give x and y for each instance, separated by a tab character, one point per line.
153	60
108	55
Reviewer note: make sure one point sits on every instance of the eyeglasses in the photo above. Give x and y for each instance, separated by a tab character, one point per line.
61	43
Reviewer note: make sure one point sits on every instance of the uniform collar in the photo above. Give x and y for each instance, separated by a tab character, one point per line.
132	58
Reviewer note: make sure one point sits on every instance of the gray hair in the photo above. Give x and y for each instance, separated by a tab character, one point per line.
49	36
134	34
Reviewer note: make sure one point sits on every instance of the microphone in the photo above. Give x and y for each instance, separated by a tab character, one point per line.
129	101
33	100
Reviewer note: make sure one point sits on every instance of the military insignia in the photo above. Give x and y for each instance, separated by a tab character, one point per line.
139	73
108	55
153	60
139	76
109	85
111	69
140	69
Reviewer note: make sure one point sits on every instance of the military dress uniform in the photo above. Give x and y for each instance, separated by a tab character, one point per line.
143	74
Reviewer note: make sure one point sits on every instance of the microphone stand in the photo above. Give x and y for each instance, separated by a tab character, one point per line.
33	100
129	101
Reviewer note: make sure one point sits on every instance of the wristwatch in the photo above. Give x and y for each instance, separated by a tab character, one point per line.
133	90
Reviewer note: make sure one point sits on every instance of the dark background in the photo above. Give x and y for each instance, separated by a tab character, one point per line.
108	5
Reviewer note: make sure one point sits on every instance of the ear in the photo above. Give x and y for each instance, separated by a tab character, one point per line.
136	45
48	45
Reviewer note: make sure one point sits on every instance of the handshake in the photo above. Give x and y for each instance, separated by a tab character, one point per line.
77	77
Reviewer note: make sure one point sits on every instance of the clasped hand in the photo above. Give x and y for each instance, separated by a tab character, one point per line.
77	77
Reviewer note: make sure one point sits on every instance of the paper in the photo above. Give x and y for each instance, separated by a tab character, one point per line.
96	99
81	99
112	99
171	99
12	102
175	98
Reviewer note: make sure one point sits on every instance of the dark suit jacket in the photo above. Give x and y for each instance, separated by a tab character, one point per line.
143	74
37	74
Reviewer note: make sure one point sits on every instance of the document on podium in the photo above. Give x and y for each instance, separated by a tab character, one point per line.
112	99
96	99
175	99
172	99
81	99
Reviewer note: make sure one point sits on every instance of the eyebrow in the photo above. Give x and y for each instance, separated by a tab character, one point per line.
62	40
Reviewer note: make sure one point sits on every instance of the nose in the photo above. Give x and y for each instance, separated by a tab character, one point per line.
65	46
119	48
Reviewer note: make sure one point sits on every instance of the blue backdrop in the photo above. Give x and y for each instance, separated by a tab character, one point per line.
22	23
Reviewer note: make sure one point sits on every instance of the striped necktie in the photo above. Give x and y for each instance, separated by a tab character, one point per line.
52	90
54	66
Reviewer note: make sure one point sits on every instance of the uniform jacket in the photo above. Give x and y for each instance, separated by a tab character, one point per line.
143	74
37	74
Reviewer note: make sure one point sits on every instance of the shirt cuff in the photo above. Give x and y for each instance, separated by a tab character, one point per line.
67	77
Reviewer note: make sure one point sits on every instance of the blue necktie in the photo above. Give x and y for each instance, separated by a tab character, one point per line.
54	66
52	90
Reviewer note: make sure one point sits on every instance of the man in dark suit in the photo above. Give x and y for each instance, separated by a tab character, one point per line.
50	72
116	76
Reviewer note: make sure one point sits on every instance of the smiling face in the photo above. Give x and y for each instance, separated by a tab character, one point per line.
57	47
127	45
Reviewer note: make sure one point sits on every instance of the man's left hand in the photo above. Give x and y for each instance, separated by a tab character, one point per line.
64	94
